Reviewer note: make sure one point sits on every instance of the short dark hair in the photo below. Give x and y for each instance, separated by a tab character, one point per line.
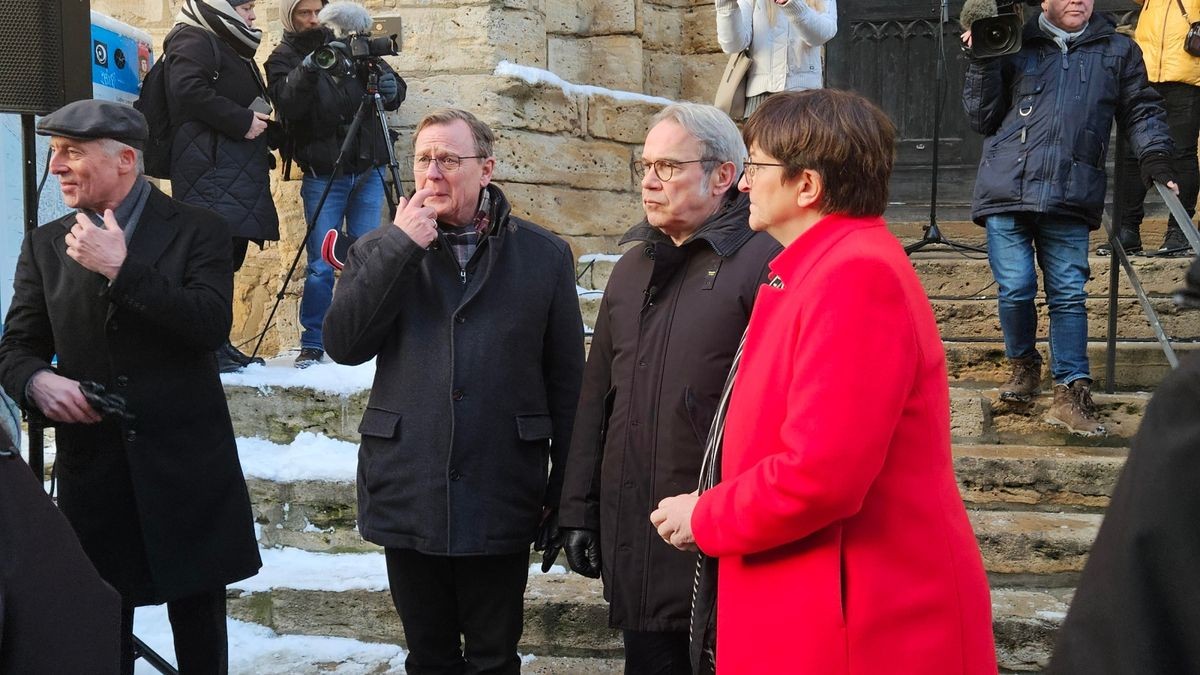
842	136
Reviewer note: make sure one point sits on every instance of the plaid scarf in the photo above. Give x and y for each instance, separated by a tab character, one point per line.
464	240
221	19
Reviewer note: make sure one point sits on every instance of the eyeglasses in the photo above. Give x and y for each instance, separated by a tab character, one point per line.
664	168
752	169
446	163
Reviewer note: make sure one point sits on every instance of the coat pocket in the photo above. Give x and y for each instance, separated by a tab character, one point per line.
1085	186
379	423
534	427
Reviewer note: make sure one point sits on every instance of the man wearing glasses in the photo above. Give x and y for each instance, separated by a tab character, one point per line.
472	316
669	324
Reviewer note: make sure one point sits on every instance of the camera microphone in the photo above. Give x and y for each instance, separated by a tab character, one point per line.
973	10
346	18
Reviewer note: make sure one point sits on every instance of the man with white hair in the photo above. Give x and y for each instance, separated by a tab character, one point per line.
669	324
133	293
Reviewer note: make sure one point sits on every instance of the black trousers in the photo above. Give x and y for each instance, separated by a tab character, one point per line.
461	614
656	653
198	624
1182	102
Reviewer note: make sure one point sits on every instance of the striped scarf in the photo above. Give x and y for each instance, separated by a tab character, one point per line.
220	19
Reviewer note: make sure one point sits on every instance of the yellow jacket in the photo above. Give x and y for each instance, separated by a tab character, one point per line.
1160	33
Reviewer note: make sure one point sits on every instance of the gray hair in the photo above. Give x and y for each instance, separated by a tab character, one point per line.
113	147
718	135
481	133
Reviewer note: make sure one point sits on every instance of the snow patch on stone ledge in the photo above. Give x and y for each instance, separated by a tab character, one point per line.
599	257
309	457
540	76
325	376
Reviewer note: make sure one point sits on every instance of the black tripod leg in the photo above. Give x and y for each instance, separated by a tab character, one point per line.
140	650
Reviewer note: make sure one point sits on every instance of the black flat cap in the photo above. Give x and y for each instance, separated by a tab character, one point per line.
90	119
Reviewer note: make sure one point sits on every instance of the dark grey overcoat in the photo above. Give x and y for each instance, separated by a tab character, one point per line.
159	504
475	387
668	328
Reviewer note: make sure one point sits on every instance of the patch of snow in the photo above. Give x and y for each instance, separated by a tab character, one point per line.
584	292
309	457
536	568
599	257
540	76
326	376
307	571
1050	615
257	650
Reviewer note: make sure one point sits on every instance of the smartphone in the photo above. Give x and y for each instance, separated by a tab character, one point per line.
260	105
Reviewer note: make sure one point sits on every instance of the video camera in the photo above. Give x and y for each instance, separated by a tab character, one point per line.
342	56
995	26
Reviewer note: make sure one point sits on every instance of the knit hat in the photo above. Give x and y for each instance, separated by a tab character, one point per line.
235	3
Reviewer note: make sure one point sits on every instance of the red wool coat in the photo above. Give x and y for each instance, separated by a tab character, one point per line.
843	542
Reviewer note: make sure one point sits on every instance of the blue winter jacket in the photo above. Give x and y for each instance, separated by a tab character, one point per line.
1048	115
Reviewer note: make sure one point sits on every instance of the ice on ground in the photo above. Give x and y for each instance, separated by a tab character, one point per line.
599	257
536	568
584	292
258	650
325	376
309	457
540	76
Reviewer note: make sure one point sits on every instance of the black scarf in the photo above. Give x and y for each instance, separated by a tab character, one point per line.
222	20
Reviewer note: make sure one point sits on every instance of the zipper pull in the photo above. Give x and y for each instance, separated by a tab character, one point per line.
462	274
1023	129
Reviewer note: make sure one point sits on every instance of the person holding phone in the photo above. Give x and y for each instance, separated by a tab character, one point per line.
220	158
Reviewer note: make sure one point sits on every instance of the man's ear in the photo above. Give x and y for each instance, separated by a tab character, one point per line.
810	189
127	161
489	166
723	178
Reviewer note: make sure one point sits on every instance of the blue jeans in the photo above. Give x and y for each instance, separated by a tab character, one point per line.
1061	250
355	199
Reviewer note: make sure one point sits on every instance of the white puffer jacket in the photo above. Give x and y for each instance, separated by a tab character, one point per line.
786	55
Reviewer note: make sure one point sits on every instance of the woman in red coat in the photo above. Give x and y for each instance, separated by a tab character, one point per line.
844	546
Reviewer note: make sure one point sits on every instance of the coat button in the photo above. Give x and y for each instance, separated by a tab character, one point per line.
455	474
628	485
122	381
459	318
131	435
457	394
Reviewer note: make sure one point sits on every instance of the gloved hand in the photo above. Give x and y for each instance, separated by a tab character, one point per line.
583	551
1157	167
308	64
389	88
548	539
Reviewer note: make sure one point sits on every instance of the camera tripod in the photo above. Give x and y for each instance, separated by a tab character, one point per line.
932	234
370	110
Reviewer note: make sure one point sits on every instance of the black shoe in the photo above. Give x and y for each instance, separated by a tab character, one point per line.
1131	240
245	359
308	356
1175	244
226	362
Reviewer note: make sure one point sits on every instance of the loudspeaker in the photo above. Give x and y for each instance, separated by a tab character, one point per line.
45	54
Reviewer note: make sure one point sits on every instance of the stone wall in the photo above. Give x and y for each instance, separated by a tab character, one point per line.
564	159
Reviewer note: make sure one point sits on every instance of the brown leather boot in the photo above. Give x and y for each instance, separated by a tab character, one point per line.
1025	381
1073	408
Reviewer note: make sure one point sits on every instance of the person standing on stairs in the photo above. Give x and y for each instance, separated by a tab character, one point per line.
133	292
669	324
473	318
1046	112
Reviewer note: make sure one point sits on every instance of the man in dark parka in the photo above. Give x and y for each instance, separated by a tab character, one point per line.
669	324
133	291
473	318
1137	608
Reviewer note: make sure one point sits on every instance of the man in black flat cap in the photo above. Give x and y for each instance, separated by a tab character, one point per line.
133	292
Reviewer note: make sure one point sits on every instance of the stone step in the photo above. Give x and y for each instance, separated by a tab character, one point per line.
1021	477
566	616
978	416
1140	366
950	275
1028	547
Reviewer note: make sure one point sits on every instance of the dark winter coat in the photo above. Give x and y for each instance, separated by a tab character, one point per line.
170	479
669	324
318	108
212	163
476	381
1047	117
1137	608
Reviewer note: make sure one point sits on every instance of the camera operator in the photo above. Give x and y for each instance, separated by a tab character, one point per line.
317	106
1046	112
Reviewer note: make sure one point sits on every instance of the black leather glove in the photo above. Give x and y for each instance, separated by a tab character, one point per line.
548	540
1156	167
389	89
583	551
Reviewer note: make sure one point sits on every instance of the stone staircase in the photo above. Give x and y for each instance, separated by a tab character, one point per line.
1035	494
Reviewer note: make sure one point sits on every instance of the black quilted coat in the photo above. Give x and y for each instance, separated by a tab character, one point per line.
1047	115
212	163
